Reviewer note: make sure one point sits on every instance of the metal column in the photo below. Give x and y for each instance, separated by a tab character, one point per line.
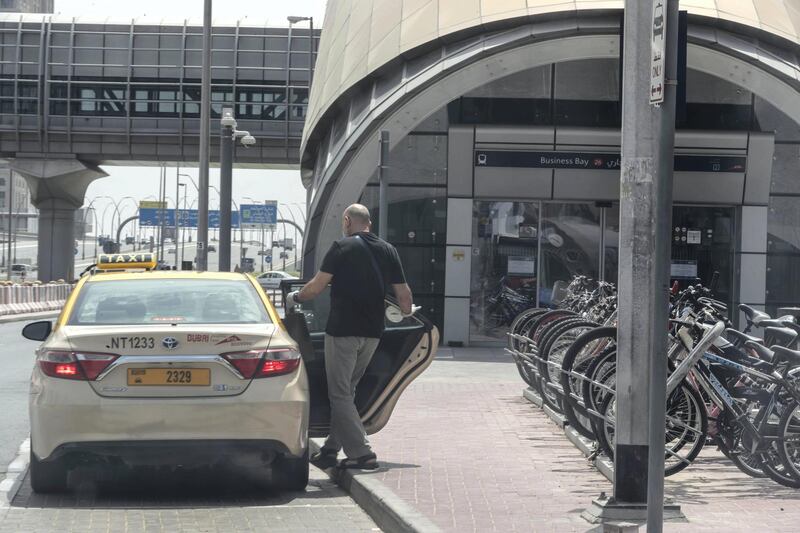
225	185
383	191
205	133
177	215
645	203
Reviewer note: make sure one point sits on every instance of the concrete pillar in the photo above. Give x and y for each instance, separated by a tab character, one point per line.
57	190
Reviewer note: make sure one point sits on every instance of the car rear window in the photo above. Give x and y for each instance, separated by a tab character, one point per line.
159	300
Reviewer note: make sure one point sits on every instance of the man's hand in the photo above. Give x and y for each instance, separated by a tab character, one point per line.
292	298
404	299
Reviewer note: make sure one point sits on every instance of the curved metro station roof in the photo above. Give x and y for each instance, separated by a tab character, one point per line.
361	36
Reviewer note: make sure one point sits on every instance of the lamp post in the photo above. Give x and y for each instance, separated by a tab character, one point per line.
205	134
228	136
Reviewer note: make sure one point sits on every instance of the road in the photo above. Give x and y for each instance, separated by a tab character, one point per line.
27	249
16	358
208	500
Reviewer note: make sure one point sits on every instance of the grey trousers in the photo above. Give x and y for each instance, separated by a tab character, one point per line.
346	359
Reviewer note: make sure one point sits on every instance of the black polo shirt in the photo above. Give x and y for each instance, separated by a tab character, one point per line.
357	308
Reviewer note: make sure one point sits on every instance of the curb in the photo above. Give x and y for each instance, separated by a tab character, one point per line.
390	512
24	317
15	473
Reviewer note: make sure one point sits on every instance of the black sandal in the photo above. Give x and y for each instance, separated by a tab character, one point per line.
365	462
324	458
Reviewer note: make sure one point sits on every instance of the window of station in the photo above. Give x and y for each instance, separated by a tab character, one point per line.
714	104
587	93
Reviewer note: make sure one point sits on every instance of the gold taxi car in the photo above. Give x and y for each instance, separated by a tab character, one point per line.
184	368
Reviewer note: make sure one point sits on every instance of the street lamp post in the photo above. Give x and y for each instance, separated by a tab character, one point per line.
205	134
228	136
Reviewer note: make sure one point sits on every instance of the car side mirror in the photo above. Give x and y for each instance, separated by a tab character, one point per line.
38	331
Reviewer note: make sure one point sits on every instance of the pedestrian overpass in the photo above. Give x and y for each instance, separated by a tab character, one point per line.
76	94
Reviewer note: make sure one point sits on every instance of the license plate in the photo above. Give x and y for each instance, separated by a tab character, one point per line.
179	377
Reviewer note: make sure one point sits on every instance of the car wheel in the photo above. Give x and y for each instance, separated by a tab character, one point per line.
48	476
290	473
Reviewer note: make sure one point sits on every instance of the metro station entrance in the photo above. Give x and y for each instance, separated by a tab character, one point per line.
521	249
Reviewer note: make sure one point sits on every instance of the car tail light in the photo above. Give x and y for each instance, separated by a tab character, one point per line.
279	361
264	363
74	365
245	362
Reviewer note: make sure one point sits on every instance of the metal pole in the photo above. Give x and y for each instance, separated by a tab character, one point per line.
10	221
601	269
383	191
177	217
225	186
183	230
162	199
645	199
665	165
263	251
205	133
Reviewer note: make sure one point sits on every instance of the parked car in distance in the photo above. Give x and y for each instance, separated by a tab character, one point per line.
272	279
212	248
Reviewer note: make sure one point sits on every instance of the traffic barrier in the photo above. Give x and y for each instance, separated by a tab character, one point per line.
32	297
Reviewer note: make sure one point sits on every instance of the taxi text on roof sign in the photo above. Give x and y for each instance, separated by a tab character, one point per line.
144	260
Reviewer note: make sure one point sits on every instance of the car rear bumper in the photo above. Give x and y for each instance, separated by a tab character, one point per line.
64	414
191	453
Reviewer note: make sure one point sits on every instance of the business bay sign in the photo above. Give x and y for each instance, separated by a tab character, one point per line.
600	161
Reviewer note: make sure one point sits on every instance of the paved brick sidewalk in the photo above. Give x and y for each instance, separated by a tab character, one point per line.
186	504
466	450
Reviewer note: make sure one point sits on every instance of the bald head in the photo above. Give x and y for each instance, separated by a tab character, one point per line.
355	218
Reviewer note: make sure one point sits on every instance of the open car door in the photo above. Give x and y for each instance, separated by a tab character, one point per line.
406	349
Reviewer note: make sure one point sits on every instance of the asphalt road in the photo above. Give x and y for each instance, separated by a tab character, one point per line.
16	361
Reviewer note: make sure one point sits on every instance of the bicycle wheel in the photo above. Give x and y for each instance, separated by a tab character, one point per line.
788	442
576	361
686	426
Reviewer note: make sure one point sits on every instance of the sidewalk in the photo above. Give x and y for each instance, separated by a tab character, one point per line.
466	450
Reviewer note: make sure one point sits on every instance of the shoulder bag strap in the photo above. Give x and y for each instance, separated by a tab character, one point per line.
375	266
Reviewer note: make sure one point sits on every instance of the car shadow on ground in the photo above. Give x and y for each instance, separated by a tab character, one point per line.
142	488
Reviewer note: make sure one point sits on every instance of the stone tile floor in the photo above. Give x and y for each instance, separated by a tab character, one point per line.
470	453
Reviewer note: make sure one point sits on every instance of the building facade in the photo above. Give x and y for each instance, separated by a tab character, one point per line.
504	127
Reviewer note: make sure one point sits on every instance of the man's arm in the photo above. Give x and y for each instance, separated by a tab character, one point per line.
312	289
404	299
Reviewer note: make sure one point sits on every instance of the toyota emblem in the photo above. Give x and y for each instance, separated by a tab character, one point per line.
170	343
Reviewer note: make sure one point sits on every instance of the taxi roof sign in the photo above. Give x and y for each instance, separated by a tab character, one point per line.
142	260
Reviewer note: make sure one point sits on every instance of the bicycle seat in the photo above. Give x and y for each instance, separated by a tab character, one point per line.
781	336
742	338
762	351
753	315
785	354
793	326
771	323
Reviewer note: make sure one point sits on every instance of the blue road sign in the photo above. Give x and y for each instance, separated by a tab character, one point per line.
258	215
187	218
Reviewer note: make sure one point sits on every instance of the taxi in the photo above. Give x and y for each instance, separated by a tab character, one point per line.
191	369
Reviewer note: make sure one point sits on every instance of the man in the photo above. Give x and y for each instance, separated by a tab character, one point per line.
359	267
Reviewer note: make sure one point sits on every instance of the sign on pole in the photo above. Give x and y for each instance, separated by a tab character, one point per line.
657	47
187	218
152	204
253	216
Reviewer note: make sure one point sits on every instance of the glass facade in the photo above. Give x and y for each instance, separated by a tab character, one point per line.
521	249
417	219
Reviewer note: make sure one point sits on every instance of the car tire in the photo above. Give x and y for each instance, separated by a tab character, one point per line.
291	473
48	476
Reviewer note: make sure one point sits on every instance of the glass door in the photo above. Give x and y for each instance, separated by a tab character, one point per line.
570	245
504	266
